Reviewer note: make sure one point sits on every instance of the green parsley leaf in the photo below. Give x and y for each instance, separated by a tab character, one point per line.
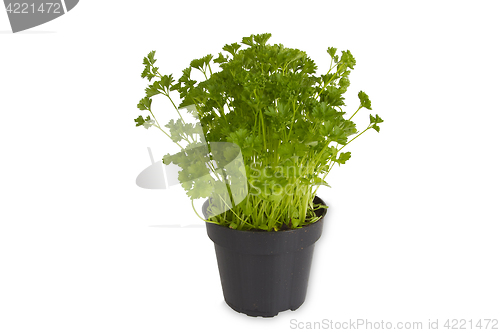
331	51
344	157
348	59
262	39
376	119
248	40
365	101
231	48
140	121
144	104
151	57
220	59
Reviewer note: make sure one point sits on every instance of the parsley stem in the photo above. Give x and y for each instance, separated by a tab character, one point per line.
356	112
168	95
192	205
320	154
324	176
236	215
161	129
293	120
327	83
370	126
176	109
263	128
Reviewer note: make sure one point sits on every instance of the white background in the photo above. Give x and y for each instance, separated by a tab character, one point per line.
413	229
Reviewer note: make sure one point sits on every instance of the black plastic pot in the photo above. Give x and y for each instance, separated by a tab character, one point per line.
263	273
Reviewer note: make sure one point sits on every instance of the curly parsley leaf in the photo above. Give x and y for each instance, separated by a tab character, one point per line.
375	121
365	101
147	123
144	104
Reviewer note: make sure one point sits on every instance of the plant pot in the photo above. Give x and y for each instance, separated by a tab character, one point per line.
263	273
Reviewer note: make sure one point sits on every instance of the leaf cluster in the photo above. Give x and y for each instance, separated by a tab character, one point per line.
287	121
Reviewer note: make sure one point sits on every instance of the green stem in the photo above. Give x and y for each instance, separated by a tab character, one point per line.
192	205
293	120
236	215
263	130
370	126
161	129
326	84
355	112
176	109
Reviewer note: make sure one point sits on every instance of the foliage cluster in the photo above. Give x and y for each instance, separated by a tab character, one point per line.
288	123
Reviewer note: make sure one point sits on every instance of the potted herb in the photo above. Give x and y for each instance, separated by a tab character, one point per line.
266	133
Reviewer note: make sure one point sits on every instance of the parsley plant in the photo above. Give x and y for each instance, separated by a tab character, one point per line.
288	123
